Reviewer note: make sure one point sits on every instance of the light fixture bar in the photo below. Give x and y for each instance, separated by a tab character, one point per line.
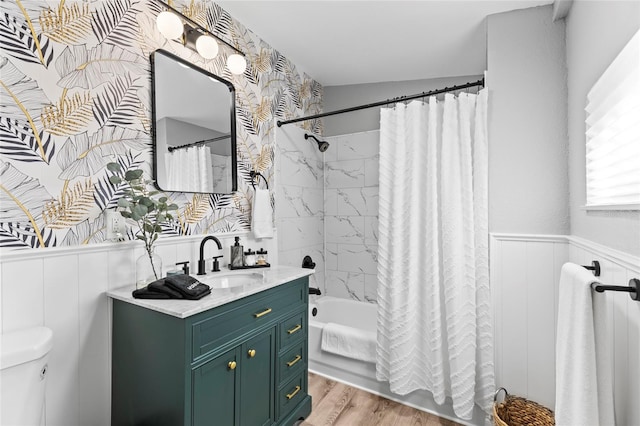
195	25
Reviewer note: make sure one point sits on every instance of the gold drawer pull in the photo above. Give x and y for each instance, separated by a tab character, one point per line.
232	365
263	313
293	361
251	353
294	329
292	394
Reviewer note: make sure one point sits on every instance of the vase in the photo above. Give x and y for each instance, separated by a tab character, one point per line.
148	268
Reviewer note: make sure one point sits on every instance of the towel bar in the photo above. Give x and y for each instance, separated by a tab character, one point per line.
632	289
595	267
254	175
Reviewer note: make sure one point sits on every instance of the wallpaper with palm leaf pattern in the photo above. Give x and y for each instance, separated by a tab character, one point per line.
75	95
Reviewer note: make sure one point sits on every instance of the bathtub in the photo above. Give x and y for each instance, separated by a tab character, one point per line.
361	374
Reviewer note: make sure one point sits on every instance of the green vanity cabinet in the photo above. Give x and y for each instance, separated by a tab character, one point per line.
243	363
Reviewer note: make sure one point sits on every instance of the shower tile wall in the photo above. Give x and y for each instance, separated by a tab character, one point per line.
351	215
299	201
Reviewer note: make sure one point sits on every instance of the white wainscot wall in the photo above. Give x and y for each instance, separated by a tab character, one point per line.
64	289
525	272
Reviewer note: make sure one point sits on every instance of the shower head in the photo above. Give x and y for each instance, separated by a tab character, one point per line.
322	145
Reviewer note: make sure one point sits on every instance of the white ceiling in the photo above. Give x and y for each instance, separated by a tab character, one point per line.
366	41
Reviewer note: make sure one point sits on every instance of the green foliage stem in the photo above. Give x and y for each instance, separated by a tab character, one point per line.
140	205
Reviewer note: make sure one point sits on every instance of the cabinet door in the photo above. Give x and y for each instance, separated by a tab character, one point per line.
257	382
215	390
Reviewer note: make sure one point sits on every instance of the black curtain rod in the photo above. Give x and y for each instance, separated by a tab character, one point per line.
202	142
385	102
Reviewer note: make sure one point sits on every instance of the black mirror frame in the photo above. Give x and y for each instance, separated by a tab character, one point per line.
232	90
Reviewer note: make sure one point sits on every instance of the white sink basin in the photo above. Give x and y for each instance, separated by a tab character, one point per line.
230	280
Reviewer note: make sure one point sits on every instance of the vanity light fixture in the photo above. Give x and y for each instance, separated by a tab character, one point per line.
170	24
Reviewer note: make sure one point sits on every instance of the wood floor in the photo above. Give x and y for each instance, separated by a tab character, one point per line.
341	405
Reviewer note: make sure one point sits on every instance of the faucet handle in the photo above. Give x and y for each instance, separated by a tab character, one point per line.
216	265
185	266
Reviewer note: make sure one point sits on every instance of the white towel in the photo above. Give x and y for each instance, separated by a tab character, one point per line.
349	341
262	216
584	383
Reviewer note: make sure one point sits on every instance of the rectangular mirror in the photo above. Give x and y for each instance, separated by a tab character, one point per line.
194	127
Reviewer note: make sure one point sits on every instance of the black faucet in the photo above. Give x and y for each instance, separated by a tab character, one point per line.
201	262
313	290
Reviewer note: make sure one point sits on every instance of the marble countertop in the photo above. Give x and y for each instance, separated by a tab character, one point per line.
226	286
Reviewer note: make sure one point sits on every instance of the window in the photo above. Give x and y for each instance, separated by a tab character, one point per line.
613	134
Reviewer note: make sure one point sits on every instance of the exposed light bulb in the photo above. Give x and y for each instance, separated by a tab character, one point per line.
169	24
207	46
236	64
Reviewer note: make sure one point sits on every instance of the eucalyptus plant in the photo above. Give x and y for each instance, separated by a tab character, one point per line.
138	203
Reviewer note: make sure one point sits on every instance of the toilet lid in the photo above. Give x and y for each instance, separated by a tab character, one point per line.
20	346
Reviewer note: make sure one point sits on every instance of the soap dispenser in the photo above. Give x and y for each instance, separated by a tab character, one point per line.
236	260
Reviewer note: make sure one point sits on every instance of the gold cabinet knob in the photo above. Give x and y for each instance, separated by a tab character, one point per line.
251	353
232	365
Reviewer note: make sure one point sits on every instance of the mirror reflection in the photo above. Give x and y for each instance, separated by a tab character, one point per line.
194	127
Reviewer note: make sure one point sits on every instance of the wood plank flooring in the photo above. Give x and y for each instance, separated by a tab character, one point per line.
342	405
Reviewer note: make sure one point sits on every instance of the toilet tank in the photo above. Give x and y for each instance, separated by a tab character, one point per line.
23	373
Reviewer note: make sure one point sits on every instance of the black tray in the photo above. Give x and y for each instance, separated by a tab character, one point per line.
266	265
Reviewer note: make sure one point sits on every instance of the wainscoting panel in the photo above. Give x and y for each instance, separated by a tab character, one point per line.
525	273
524	276
617	269
64	289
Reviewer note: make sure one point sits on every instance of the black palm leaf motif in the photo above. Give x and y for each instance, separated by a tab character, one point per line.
217	201
293	92
218	20
118	104
249	123
22	103
280	63
171	229
115	23
18	235
19	39
106	194
18	142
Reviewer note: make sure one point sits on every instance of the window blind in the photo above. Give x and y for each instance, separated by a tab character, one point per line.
613	132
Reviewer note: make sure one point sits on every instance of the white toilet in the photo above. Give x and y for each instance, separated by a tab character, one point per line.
23	367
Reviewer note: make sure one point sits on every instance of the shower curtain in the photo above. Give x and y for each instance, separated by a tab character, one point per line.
190	168
434	314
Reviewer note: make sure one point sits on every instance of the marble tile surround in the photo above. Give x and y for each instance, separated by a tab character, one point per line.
351	215
300	205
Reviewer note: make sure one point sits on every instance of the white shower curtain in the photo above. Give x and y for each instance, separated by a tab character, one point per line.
434	316
190	169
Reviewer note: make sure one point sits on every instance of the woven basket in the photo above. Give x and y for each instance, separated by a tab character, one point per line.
517	411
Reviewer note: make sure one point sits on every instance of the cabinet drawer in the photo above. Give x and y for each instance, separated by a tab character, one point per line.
293	329
291	394
292	362
220	326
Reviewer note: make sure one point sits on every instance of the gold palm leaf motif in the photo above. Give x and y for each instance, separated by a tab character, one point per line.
305	89
71	208
263	112
197	208
70	116
262	62
196	11
66	24
263	162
